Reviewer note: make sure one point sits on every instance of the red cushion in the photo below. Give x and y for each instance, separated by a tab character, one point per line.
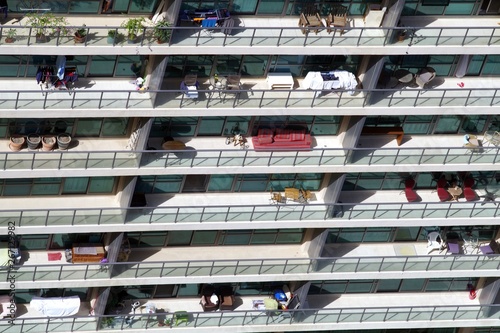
298	135
282	135
265	139
265	135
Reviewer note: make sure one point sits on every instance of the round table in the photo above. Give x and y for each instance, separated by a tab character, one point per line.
173	145
403	75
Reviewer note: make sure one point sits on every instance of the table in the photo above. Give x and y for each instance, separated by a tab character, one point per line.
280	80
455	192
82	253
403	75
471	244
173	145
492	137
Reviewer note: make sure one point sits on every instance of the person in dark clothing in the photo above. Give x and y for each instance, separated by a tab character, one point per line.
4	7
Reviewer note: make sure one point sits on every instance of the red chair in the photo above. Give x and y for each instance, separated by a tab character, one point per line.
442	183
470	194
411	195
469	182
443	194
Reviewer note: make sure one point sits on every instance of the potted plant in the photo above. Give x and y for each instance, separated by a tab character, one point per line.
45	24
63	141
48	142
81	34
16	142
133	26
113	36
161	32
11	33
402	35
33	140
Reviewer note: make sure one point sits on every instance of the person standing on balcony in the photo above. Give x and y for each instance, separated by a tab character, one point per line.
4	8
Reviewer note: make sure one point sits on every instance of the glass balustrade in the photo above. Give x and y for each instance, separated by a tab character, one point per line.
313	212
306	318
84	99
212	158
269	36
309	268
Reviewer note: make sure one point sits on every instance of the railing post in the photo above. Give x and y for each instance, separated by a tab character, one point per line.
34	274
45	101
421	156
60	272
468	97
288	98
128	100
397	155
261	98
279	37
137	270
113	161
284	268
73	217
236	267
253	36
86	272
442	97
220	156
228	209
202	213
446	156
416	98
314	98
439	36
305	38
187	268
494	96
211	268
100	100
99	219
381	264
60	160
465	36
295	158
491	36
357	265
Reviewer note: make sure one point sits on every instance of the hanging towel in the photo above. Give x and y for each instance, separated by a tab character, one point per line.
60	64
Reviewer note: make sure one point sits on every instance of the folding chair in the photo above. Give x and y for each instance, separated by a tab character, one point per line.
207	24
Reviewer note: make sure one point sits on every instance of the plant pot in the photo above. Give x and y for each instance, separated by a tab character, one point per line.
16	142
41	38
161	40
33	141
48	143
63	141
401	37
132	39
9	40
111	40
79	39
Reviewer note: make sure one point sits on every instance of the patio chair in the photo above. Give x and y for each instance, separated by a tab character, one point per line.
209	301
208	25
410	194
226	297
277	198
424	76
310	18
454	247
491	248
233	86
443	194
337	18
434	242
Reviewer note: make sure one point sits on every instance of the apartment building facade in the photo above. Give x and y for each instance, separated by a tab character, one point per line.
371	204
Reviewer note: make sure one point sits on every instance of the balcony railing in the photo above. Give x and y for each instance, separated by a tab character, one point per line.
244	214
385	99
244	37
328	158
299	268
307	319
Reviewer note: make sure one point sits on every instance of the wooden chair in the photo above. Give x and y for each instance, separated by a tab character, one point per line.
292	193
337	18
277	198
310	18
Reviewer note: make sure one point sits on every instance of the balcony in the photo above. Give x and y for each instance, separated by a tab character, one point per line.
96	157
394	311
118	97
283	263
256	35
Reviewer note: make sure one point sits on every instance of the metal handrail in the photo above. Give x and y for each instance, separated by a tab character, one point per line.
382	99
300	268
158	160
392	317
282	36
390	212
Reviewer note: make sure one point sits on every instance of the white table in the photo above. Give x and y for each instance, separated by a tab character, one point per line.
280	80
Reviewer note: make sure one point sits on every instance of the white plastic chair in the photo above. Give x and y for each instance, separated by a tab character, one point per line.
435	242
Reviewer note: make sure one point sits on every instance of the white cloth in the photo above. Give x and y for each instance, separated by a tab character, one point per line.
60	64
346	80
56	306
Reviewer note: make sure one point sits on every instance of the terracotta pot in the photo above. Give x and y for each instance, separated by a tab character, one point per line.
79	39
48	143
16	142
9	40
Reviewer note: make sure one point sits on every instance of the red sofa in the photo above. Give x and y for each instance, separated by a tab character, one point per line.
281	138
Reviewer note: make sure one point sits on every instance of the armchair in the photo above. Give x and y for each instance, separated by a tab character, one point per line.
337	18
209	301
226	298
